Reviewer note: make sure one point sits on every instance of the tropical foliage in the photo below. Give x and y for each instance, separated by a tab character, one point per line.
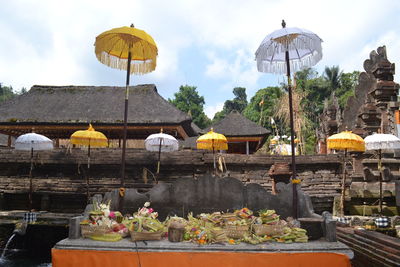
6	92
261	106
238	103
188	100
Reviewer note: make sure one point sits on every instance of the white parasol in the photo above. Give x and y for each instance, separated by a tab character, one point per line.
161	142
379	141
32	141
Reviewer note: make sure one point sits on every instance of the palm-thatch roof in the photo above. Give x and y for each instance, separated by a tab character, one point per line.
235	124
238	130
75	106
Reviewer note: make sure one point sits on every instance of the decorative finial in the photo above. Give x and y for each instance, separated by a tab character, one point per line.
132	26
283	24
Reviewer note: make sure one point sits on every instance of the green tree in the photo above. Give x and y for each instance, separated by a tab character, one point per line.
333	76
261	106
6	92
188	100
348	82
317	89
238	103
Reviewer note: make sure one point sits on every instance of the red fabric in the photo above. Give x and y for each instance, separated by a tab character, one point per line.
93	258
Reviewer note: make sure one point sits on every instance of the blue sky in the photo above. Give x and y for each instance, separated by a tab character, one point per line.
208	44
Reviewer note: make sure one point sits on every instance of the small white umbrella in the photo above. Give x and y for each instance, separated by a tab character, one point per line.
32	141
378	142
161	142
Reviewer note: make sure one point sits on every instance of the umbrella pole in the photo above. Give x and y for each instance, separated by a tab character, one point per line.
380	179
30	181
128	71
343	184
215	166
294	176
87	175
159	157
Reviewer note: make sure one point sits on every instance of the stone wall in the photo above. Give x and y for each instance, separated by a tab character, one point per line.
60	176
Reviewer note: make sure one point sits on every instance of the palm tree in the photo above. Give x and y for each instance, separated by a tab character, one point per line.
333	75
301	120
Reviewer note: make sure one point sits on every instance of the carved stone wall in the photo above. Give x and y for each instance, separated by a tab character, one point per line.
375	99
59	178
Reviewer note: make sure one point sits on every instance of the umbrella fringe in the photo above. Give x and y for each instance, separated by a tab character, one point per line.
279	67
137	66
303	42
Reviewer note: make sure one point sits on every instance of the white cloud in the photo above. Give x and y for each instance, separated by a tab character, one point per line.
54	44
390	39
211	110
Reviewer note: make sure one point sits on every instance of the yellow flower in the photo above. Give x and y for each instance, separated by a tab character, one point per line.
296	181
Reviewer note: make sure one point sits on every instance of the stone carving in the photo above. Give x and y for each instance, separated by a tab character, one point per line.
329	121
366	83
209	194
375	96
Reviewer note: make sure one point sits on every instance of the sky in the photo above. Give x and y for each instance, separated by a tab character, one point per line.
202	43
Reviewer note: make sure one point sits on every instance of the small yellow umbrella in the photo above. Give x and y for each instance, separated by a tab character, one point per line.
89	138
212	141
346	141
130	49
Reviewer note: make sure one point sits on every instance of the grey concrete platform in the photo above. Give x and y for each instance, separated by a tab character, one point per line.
165	246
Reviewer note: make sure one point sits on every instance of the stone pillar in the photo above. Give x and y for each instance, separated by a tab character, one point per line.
74	231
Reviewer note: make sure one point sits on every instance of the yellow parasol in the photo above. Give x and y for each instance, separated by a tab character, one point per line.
130	49
346	141
89	138
212	141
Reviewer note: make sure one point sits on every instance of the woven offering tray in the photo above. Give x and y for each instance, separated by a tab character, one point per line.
141	236
236	231
266	229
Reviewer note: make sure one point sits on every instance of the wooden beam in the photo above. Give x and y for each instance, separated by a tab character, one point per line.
64	131
244	139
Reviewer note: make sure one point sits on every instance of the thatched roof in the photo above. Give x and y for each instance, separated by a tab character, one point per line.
236	128
104	105
235	124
